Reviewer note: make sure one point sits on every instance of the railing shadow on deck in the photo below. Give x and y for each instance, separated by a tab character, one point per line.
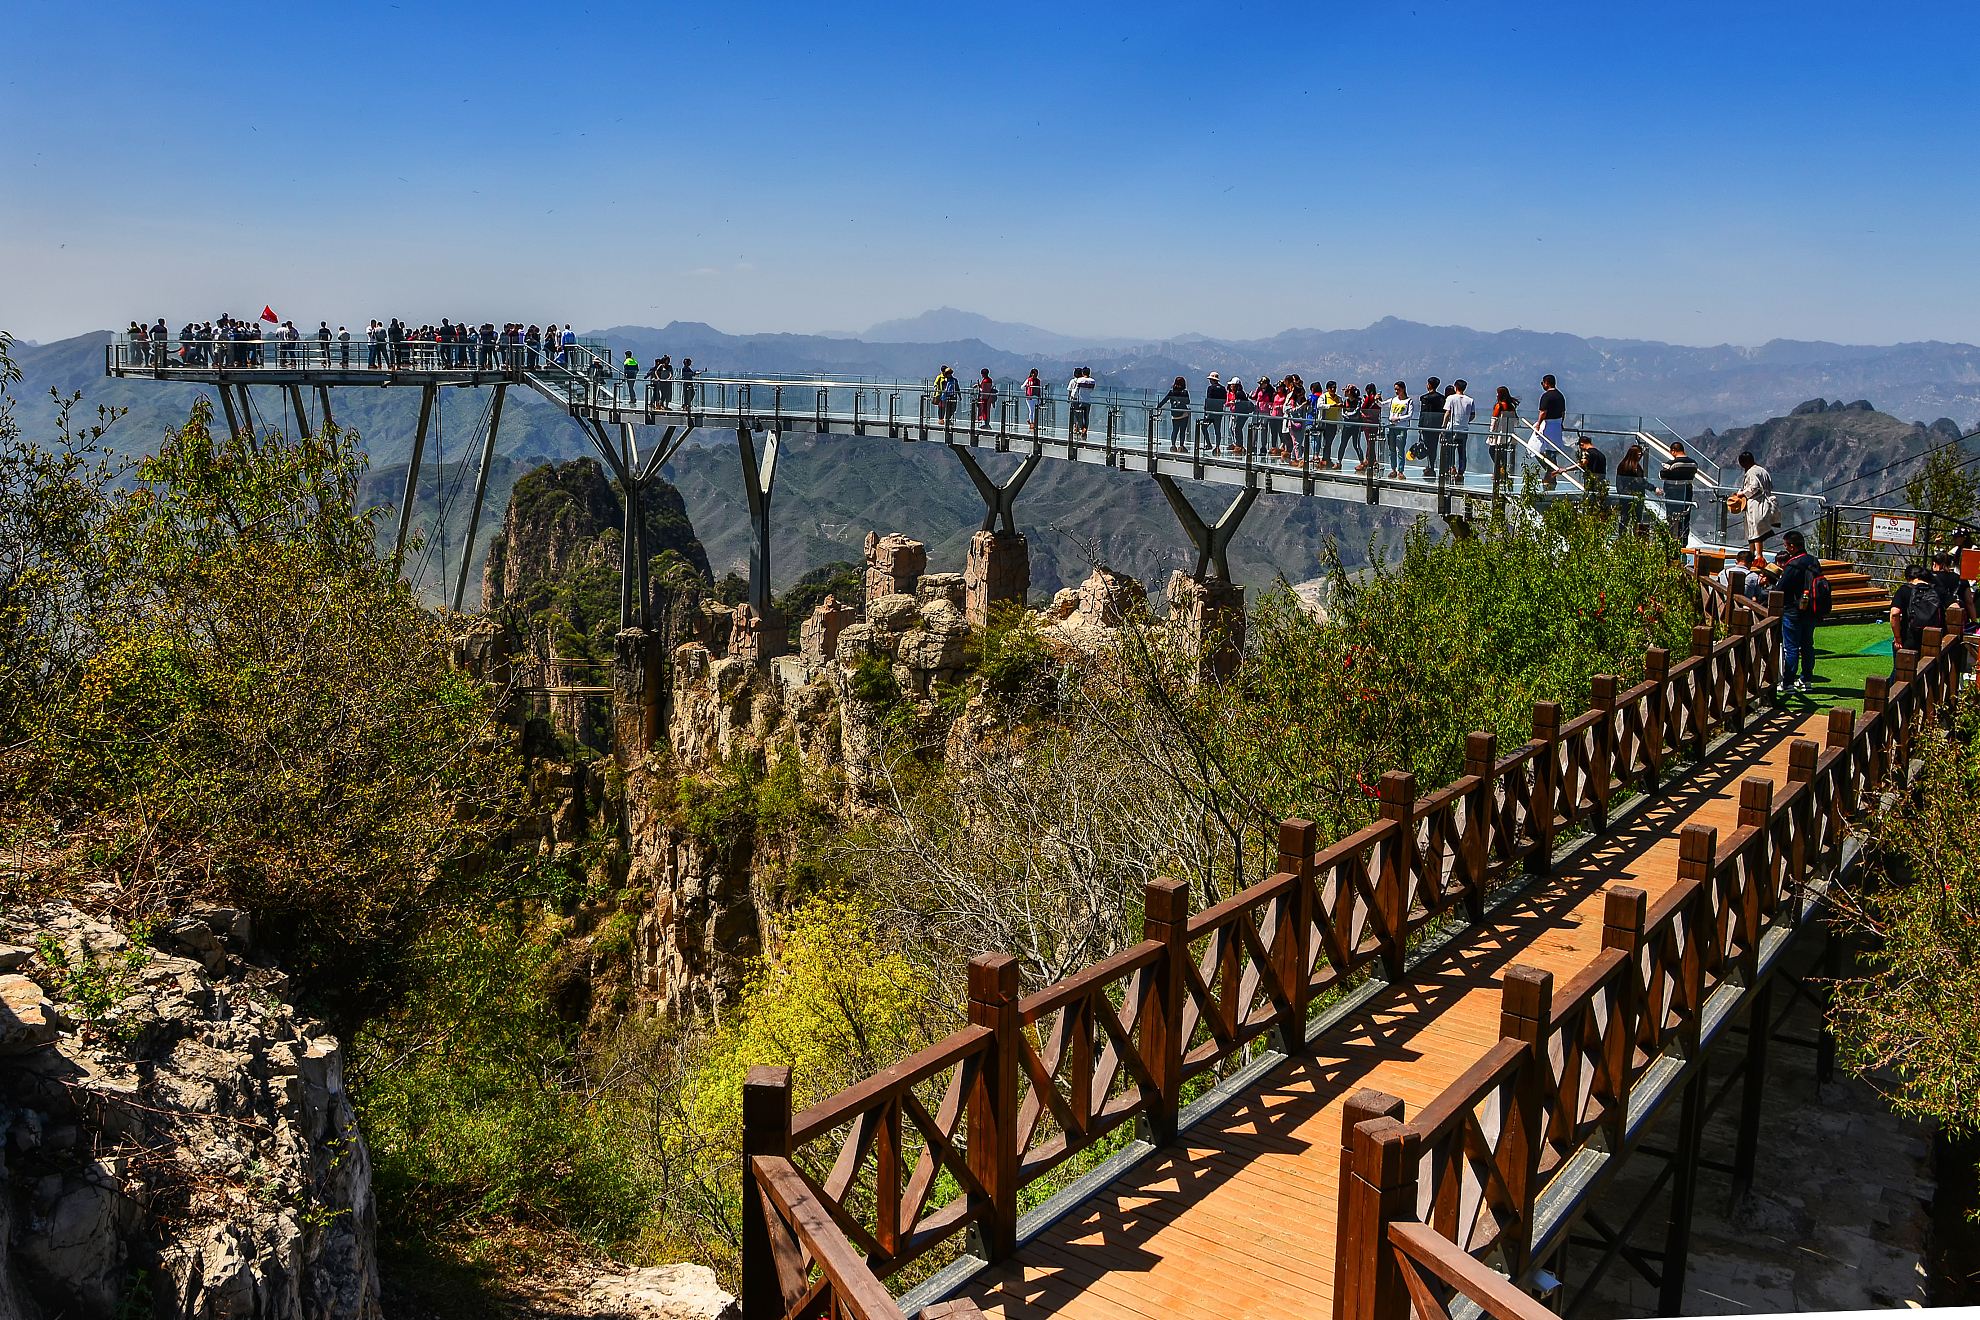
945	1140
1446	1208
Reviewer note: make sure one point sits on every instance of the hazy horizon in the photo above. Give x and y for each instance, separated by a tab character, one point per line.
175	323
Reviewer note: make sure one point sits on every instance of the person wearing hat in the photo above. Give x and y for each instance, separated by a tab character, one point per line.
1214	395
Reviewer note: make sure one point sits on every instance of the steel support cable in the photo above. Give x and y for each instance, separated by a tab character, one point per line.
446	494
1874	496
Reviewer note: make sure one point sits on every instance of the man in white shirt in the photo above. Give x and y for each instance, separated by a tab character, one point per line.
1079	393
1460	410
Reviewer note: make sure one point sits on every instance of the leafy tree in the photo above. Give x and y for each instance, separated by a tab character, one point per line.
261	697
1945	484
1910	1020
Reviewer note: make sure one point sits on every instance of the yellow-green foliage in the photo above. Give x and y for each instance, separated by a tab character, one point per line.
837	1001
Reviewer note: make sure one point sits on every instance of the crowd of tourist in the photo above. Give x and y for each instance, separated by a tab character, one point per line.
393	345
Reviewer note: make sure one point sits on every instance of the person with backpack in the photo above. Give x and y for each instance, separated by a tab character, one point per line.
1951	587
1177	402
1034	393
1916	608
1806	592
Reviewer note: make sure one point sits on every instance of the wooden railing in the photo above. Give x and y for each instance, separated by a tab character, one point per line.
1445	1205
945	1140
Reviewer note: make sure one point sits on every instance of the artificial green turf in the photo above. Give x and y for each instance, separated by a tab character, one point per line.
1845	655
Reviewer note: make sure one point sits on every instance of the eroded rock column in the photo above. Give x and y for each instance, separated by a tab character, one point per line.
998	571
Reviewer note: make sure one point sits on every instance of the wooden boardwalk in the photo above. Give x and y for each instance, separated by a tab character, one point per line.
1237	1217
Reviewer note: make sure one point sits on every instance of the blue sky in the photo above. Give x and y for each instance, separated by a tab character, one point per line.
1694	172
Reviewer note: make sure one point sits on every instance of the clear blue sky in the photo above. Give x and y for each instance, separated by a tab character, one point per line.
1686	171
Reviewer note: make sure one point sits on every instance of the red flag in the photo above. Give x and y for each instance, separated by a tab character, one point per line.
268	314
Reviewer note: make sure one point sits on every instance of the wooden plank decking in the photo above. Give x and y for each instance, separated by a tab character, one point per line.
1237	1218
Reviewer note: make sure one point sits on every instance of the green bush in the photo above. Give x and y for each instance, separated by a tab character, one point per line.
1013	658
872	681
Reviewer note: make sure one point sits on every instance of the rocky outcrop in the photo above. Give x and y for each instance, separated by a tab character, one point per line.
665	1292
177	1141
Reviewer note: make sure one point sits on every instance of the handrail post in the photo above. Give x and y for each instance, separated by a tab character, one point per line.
1876	702
1756	812
1702	679
1698	854
1657	669
1382	1191
1546	785
1354	1252
766	1131
1481	761
1292	943
992	1116
1625	913
1739	629
1397	804
1526	1014
1602	772
1842	802
1165	920
1803	756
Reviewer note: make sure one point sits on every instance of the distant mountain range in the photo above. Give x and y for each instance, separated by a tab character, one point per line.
829	494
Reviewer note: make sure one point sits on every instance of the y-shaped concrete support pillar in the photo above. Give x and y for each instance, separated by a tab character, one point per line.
1212	541
999	502
998	570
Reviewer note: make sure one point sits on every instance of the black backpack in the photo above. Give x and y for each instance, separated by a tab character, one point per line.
1820	599
1922	610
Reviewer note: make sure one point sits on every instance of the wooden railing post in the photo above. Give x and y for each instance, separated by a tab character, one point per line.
1292	943
1355	1254
1702	679
1804	841
1602	770
1955	641
1397	804
1698	856
1740	629
1756	812
766	1130
1481	762
1165	919
1526	1013
1381	1192
1657	669
1625	912
993	1116
1842	806
1546	785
